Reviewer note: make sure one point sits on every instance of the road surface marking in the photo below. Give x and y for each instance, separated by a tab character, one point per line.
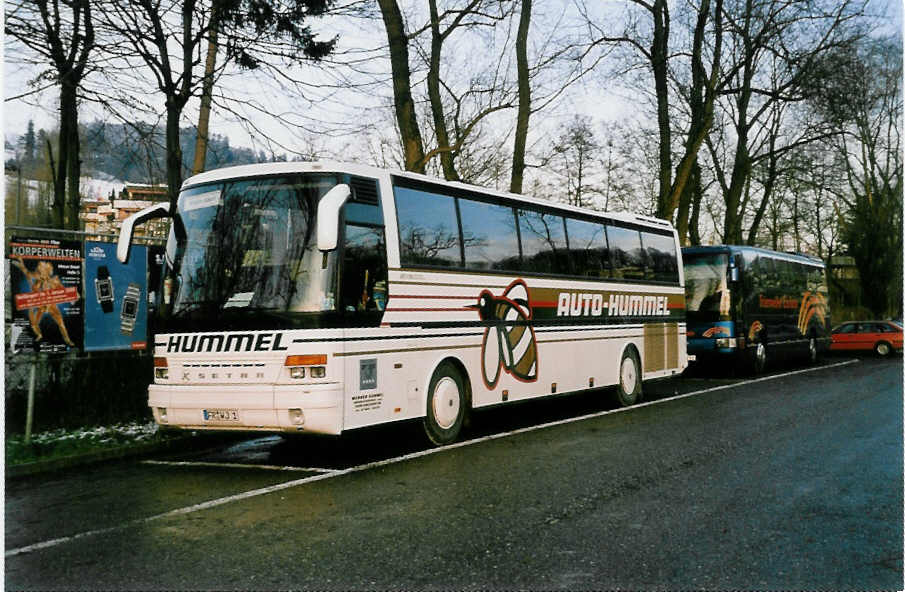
225	465
390	461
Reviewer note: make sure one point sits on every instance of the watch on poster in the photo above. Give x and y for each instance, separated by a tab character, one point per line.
103	287
129	311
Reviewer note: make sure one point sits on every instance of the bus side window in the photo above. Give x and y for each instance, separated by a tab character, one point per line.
490	236
428	229
364	272
625	249
543	242
662	261
588	248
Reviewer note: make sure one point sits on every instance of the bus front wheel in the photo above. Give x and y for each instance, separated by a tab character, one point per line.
759	358
628	390
446	405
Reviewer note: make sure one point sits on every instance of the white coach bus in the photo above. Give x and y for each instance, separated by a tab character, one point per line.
322	297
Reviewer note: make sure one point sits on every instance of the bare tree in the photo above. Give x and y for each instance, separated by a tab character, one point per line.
406	116
166	39
59	33
860	92
577	149
773	46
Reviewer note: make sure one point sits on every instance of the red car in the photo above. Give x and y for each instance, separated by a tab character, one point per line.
882	337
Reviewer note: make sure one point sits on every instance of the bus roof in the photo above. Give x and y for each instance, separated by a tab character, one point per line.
283	168
712	249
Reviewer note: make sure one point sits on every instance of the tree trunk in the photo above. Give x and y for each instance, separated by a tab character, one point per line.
207	91
406	118
659	52
58	206
174	153
524	100
69	166
769	185
694	236
447	156
701	102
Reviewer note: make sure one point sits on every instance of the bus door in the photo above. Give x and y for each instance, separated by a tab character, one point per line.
363	294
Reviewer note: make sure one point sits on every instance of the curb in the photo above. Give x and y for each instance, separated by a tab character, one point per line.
176	444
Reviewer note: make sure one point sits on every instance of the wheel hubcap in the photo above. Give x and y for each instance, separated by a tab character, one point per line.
629	376
446	402
882	349
761	353
813	347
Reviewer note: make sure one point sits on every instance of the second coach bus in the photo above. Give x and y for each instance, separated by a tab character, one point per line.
749	304
320	297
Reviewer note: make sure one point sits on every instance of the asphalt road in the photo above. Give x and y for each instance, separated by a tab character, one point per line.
788	482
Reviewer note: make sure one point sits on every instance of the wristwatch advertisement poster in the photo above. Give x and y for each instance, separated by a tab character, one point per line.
116	307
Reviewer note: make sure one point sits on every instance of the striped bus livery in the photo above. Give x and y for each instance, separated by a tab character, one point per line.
323	297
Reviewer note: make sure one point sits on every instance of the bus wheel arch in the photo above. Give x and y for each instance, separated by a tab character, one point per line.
628	385
447	401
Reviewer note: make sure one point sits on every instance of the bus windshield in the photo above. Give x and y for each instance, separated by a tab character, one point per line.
706	286
248	247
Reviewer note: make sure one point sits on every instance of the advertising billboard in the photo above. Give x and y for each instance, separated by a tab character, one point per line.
46	282
116	298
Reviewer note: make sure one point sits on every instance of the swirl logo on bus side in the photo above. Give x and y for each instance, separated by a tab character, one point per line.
509	342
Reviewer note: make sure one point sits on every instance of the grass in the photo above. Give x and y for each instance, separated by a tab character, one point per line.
61	443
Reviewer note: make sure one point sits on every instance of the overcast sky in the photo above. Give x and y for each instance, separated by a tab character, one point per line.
596	96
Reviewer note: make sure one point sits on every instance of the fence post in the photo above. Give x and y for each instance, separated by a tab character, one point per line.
29	415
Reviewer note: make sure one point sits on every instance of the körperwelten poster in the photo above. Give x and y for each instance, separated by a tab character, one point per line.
46	282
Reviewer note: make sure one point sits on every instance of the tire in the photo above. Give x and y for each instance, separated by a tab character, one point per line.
447	405
813	354
759	358
628	389
882	349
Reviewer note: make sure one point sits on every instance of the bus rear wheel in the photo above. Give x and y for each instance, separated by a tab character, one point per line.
628	389
447	404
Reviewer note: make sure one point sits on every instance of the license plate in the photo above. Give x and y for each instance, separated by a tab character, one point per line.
221	415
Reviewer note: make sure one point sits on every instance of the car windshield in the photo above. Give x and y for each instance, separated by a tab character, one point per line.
248	247
706	286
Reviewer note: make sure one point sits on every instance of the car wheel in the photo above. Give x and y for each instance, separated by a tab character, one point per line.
628	390
882	349
447	403
812	350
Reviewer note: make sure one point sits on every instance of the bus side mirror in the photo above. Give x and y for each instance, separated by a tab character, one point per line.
328	209
160	210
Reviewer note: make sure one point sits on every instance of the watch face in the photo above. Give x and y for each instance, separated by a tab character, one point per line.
129	307
104	291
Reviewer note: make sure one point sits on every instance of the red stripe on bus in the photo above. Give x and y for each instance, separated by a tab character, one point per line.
461	309
542	304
